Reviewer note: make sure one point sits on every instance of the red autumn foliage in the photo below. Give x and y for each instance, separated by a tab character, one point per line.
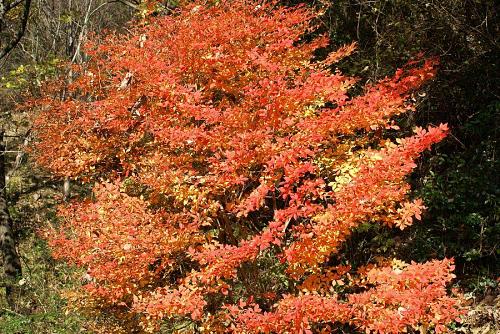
213	140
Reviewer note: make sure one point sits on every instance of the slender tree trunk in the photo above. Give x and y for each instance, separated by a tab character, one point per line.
11	261
20	155
66	189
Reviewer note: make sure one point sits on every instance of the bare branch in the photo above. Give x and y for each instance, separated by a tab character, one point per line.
20	32
13	4
130	4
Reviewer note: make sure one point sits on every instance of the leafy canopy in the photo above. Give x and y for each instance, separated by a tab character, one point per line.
215	140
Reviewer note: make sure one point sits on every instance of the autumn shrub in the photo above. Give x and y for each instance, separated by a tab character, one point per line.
229	165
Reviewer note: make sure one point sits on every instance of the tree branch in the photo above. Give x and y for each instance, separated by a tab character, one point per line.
130	4
13	4
20	33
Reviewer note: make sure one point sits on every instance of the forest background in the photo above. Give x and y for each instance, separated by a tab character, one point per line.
458	180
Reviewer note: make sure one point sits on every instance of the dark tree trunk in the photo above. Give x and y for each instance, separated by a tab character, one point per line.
11	261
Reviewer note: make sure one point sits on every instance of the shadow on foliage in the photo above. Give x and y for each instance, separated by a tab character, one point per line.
459	181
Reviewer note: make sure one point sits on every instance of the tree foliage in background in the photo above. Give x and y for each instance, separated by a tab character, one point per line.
215	144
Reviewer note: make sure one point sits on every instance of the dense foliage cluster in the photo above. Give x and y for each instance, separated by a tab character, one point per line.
214	139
